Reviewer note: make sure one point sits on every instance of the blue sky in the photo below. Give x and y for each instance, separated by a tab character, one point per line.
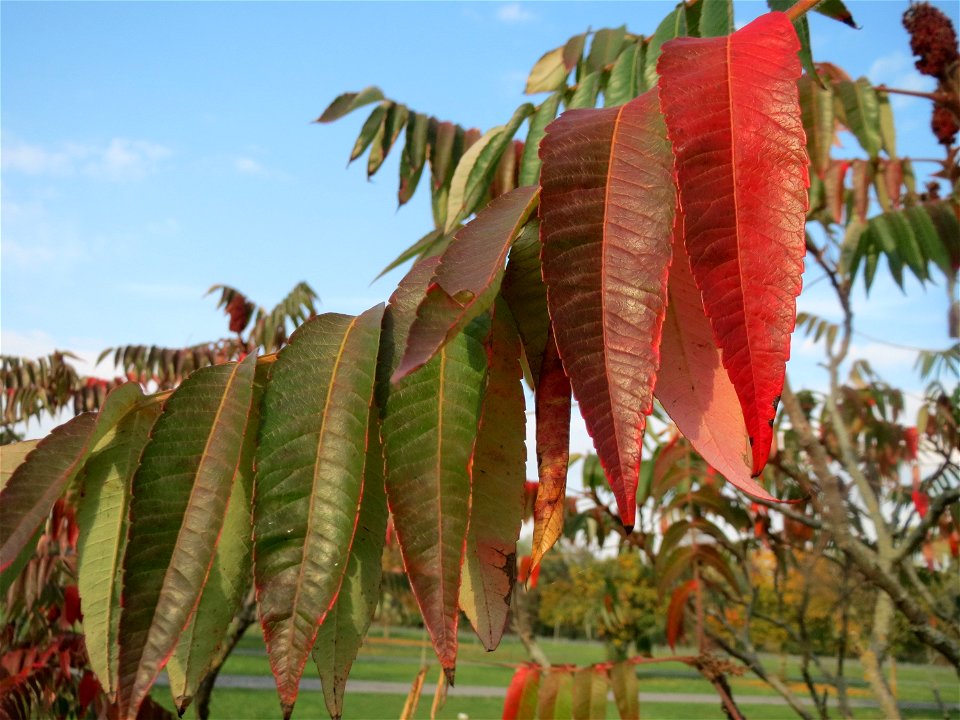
150	150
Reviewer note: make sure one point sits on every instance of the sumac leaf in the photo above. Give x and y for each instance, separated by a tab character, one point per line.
675	610
623	680
520	702
553	451
498	476
555	699
348	102
343	629
102	517
177	507
590	693
429	428
36	484
742	175
525	293
468	277
309	479
693	386
606	212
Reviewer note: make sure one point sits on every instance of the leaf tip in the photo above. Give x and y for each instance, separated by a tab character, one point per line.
449	673
287	708
628	529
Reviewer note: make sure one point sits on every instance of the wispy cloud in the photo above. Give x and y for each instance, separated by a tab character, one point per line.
247	166
513	13
897	70
119	159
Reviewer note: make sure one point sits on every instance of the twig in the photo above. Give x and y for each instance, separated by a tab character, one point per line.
801	8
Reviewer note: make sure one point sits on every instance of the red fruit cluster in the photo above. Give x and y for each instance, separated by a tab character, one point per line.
932	38
239	311
944	125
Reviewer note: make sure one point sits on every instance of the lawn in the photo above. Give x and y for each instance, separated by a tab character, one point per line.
397	658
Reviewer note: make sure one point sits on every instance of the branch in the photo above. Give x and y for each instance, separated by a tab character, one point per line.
800	9
935	96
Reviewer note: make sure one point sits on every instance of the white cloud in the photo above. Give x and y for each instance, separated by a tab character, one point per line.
513	13
247	166
898	71
119	159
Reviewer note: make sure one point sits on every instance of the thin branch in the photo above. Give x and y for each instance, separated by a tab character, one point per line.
935	96
801	8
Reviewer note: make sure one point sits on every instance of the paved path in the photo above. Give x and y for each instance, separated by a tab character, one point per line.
262	682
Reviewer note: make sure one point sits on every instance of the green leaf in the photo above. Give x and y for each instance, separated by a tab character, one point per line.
819	123
463	172
229	580
396	118
623	675
348	102
548	74
498	478
944	217
928	240
589	693
836	10
525	293
414	156
585	96
482	172
179	498
35	485
102	518
605	47
555	700
468	277
622	85
13	456
888	134
371	128
802	28
310	465
421	248
716	18
573	50
429	427
342	632
672	26
861	113
543	116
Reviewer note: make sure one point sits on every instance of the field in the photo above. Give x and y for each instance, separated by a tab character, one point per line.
387	665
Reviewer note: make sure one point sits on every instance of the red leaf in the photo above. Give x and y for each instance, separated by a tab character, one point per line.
732	113
88	690
467	278
606	215
912	441
693	387
71	604
553	451
678	601
521	699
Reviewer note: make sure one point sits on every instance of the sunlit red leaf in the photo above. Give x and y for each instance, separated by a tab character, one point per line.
520	702
678	601
553	451
732	113
694	388
606	215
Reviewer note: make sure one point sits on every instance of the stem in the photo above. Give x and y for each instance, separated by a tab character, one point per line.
802	7
935	96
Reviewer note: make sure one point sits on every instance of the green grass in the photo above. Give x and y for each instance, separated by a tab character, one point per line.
398	658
